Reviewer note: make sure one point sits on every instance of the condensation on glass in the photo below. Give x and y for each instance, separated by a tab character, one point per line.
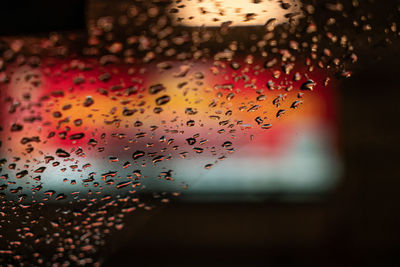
196	100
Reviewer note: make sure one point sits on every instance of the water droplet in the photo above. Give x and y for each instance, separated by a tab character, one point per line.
308	85
162	100
138	154
62	153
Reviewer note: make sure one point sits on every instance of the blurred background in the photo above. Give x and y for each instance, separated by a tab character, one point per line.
337	205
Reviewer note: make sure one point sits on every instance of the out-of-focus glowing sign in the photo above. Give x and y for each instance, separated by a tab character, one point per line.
100	121
213	13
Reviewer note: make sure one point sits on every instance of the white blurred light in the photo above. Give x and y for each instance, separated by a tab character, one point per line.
212	13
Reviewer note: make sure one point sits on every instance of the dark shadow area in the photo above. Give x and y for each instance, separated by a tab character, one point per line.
34	17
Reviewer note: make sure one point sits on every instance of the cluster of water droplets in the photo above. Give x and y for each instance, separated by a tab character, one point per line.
91	123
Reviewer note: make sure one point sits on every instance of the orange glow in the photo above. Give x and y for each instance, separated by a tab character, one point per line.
105	114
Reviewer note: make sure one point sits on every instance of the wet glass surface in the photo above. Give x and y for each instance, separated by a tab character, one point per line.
173	101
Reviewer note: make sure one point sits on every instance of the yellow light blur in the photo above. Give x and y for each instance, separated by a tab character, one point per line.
212	13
